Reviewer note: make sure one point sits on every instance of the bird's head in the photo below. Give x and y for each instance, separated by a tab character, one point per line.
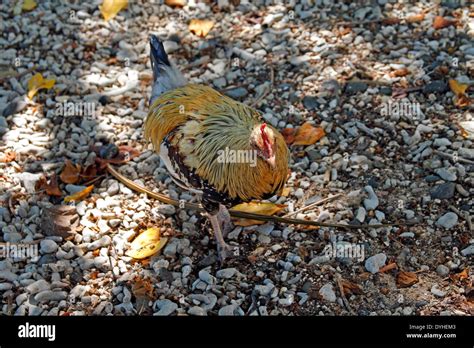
262	140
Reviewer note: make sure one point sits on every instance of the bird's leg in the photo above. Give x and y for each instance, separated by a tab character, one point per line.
223	249
224	216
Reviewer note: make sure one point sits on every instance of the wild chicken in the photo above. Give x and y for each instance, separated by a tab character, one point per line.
191	124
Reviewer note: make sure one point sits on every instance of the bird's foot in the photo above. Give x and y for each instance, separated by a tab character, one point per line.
226	220
225	251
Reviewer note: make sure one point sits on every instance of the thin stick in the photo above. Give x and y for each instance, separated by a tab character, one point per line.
312	205
465	215
238	214
451	157
343	296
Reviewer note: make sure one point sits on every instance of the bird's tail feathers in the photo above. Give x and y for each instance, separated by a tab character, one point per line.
165	76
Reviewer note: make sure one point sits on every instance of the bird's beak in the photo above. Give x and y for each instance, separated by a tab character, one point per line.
271	161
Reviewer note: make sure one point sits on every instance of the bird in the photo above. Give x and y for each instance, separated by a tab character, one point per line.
191	126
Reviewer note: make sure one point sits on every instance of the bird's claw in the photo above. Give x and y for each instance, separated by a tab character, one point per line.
227	251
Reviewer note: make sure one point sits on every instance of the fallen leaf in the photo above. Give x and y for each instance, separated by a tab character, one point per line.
288	135
415	18
146	244
391	21
51	189
350	288
406	279
28	5
441	22
110	8
143	291
79	196
8	156
262	208
400	72
175	3
200	27
59	220
125	154
37	82
459	277
70	173
457	88
89	172
308	135
255	254
388	267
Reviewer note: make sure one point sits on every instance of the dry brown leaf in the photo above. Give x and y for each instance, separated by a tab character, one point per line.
350	288
201	27
441	22
89	172
391	21
406	279
143	291
110	8
416	18
288	135
59	220
70	173
79	196
263	208
459	277
462	101
400	72
308	134
51	189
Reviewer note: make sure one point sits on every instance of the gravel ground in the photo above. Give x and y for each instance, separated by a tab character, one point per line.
335	65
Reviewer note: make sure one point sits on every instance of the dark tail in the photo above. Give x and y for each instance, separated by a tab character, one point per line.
158	56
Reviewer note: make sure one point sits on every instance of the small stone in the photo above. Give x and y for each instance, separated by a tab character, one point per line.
113	189
206	277
445	174
310	103
443	191
327	293
442	270
372	201
226	273
48	246
29	181
437	292
38	286
360	215
237	93
355	87
436	87
448	220
196	310
166	307
166	209
466	153
374	263
227	310
468	251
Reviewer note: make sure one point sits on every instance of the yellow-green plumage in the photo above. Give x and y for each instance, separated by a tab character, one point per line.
204	121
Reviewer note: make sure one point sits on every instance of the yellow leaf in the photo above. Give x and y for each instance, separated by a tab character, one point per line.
110	8
308	135
457	88
262	208
146	244
79	196
37	82
285	192
200	27
28	5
